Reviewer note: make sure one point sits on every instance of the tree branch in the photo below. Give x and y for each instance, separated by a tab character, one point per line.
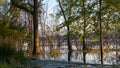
22	6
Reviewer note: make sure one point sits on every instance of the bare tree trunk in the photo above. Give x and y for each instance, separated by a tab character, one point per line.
69	55
84	29
36	48
84	34
101	35
68	28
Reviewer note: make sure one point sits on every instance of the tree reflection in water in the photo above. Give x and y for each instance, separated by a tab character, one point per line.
69	55
91	57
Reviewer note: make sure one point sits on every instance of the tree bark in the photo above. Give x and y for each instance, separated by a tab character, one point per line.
69	55
84	29
36	48
68	28
22	6
84	34
101	35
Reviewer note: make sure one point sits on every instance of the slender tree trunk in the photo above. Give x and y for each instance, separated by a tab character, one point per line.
84	34
84	29
68	28
69	55
36	48
84	57
101	35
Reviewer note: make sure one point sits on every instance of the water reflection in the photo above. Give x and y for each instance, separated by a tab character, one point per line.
92	57
84	57
69	55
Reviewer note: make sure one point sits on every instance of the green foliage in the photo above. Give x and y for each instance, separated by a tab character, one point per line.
9	54
113	3
4	65
74	12
54	53
12	33
68	22
20	56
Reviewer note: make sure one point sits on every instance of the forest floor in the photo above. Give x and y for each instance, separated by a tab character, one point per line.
63	64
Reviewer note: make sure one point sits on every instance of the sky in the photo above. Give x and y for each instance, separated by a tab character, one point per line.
48	6
51	4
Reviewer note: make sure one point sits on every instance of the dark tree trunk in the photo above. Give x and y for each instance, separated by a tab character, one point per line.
101	35
36	48
84	29
84	57
69	55
68	28
84	34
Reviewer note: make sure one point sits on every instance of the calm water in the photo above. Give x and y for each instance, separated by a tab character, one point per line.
93	57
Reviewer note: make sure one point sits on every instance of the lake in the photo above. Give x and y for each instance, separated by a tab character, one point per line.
92	57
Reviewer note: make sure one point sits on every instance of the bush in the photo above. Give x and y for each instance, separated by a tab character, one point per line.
10	54
54	53
6	52
20	56
4	65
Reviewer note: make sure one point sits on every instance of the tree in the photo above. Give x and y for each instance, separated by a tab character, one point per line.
33	10
78	18
36	48
11	27
84	27
68	28
84	31
9	34
101	35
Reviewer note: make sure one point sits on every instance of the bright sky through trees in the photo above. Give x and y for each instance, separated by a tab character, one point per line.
51	5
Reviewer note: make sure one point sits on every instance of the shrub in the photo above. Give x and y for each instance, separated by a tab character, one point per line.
6	52
4	65
20	56
54	53
10	54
